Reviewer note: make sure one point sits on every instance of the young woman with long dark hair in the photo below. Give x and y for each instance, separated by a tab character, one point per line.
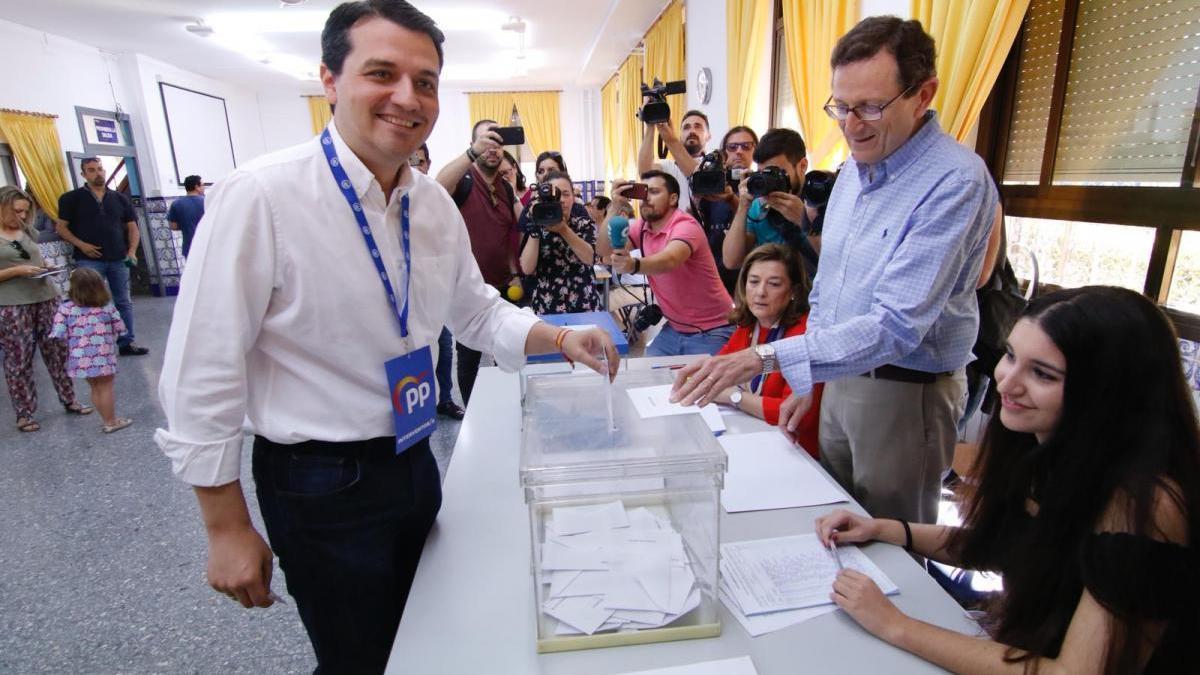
1088	503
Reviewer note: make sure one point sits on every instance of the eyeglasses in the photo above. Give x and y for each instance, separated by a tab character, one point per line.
16	246
734	147
865	112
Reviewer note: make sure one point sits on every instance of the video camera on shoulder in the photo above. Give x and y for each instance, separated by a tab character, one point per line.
546	209
657	109
767	180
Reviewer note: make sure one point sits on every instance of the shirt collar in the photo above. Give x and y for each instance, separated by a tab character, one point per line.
904	155
360	176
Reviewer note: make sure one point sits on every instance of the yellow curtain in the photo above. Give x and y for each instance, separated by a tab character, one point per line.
665	56
490	105
539	116
629	127
811	28
747	27
609	116
319	112
34	141
973	38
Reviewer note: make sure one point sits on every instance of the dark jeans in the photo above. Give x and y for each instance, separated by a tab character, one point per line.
117	275
442	370
348	522
468	370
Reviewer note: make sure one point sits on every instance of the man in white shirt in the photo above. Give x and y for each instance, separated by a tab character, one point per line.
290	306
686	147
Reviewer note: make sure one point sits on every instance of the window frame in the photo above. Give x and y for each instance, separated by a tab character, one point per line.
1169	210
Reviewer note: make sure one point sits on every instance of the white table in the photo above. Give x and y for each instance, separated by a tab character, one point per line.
471	609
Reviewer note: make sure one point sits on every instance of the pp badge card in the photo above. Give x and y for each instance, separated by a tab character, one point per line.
414	403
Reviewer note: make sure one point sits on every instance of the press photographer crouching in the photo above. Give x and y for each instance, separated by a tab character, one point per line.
558	249
770	207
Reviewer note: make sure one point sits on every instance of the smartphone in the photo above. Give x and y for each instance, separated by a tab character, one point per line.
635	191
511	135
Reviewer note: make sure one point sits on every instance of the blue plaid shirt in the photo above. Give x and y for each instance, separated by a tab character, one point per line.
902	249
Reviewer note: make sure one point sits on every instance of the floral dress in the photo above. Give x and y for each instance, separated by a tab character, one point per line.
91	334
564	284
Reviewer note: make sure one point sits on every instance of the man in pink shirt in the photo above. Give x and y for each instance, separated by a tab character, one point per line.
678	262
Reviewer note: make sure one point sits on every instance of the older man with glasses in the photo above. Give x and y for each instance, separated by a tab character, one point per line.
893	303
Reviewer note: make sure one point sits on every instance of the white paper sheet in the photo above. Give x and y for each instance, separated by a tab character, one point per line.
583	614
576	519
761	624
741	665
770	575
767	472
655	402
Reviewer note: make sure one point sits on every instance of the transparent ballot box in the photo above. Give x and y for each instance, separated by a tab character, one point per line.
623	518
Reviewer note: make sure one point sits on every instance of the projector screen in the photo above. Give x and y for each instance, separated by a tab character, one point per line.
198	126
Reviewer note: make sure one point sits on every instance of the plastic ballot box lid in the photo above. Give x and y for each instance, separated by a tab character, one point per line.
566	436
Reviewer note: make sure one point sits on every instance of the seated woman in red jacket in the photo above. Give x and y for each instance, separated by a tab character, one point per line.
770	303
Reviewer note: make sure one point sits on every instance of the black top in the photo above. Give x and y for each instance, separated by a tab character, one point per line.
98	222
1134	577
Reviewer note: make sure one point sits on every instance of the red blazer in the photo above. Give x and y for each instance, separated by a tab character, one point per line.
776	389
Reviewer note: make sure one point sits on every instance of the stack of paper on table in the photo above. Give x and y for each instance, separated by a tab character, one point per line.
768	584
766	471
609	569
655	402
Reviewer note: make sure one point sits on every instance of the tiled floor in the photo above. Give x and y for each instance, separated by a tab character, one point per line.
102	553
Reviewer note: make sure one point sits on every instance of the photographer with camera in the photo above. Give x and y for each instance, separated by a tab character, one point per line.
485	200
715	201
770	208
559	249
678	264
686	147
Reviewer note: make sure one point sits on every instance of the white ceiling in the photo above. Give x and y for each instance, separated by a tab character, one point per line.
575	43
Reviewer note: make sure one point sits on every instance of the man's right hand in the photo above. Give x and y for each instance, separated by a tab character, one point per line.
618	196
239	565
90	250
488	140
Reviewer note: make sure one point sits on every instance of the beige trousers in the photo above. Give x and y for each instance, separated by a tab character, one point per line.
889	443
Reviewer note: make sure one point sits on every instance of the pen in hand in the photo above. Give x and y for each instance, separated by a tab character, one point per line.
833	548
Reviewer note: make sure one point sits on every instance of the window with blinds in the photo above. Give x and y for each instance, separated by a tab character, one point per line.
1035	84
1131	93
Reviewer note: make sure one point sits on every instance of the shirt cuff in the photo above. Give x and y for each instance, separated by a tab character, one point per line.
509	345
792	354
202	464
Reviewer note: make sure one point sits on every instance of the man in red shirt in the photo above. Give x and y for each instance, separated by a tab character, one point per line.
678	262
486	203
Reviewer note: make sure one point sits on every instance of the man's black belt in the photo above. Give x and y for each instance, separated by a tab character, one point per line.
898	374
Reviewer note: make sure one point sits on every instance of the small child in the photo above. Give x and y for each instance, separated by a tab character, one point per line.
91	325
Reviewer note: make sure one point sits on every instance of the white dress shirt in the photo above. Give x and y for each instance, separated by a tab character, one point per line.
282	326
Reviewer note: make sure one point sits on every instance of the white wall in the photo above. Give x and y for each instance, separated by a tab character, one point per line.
50	74
53	74
706	47
900	8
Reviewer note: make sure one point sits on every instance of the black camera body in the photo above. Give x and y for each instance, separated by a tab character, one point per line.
709	178
546	209
767	180
657	110
818	185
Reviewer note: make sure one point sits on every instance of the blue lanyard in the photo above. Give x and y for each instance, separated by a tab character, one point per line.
343	181
772	335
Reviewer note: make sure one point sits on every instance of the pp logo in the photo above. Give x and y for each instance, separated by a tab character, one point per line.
411	393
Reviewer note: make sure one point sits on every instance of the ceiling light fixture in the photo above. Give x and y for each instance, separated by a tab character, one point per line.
290	3
199	28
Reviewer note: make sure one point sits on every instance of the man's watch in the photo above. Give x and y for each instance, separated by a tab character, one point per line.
736	397
766	354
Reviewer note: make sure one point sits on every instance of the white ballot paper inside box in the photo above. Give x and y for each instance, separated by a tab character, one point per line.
771	575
